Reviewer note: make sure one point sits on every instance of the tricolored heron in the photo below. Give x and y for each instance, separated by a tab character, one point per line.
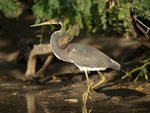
85	57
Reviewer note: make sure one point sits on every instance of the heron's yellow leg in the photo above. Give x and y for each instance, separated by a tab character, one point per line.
85	95
84	109
103	79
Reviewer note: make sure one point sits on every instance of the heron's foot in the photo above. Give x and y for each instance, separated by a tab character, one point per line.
90	97
84	109
86	95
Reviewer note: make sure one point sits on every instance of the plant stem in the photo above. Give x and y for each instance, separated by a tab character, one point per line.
136	69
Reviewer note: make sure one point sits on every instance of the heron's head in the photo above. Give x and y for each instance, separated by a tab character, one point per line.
52	21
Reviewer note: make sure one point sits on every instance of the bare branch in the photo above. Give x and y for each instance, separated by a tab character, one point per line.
133	31
42	50
144	32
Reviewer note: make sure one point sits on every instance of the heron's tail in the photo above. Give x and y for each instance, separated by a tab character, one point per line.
115	65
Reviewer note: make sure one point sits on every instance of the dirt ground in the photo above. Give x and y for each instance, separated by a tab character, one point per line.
60	91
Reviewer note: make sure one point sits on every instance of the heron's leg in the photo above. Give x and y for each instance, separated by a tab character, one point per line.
103	79
85	95
84	109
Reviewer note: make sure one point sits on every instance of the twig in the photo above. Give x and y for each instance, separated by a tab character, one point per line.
133	31
146	77
135	17
136	69
140	40
137	78
145	33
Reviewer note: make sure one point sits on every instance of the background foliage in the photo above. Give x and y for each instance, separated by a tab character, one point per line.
9	7
90	14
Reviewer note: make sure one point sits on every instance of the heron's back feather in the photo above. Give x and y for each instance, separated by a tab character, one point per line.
86	56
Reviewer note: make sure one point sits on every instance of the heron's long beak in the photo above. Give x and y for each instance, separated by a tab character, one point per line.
44	23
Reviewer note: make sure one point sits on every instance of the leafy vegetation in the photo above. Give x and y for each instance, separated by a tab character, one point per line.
10	7
84	13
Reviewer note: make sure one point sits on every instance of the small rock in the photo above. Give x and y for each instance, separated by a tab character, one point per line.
71	100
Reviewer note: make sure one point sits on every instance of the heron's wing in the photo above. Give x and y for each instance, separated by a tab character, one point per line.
87	56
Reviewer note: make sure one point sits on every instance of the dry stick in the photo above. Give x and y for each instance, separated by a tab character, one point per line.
40	73
133	31
37	50
143	42
141	39
145	33
146	77
135	18
137	78
45	49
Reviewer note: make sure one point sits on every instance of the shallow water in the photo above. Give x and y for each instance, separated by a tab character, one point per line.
19	97
29	103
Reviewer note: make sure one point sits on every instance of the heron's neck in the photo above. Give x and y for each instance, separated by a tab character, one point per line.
54	42
56	36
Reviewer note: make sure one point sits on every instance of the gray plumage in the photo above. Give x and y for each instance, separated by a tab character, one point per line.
82	55
85	57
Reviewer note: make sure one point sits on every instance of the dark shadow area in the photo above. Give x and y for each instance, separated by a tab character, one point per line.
125	94
141	107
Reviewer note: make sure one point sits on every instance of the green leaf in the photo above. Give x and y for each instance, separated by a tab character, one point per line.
146	60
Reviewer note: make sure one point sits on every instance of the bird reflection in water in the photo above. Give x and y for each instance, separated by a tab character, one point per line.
31	105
